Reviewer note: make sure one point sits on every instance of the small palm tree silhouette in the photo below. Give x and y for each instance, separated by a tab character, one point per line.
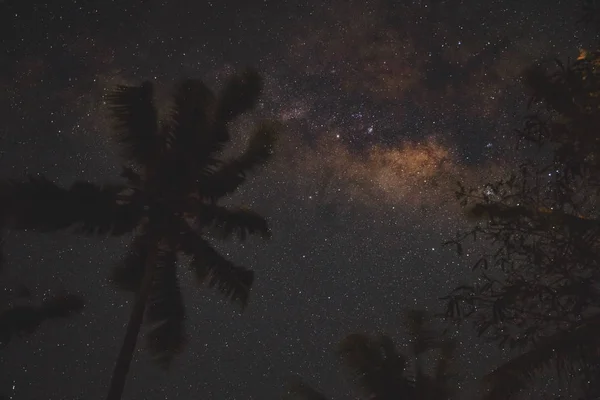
175	179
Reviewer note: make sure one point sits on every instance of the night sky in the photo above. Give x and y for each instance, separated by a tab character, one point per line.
386	104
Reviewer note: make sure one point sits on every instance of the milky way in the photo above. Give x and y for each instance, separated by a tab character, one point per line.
384	107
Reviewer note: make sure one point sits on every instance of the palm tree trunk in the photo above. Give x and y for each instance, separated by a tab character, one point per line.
119	376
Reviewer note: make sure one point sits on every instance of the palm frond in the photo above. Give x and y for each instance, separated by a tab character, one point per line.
227	222
25	319
195	133
128	274
41	205
165	312
61	306
363	357
378	369
35	204
423	337
97	210
136	122
360	352
445	361
239	95
564	347
210	267
229	176
392	358
134	179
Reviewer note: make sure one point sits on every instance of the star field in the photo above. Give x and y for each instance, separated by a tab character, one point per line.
385	105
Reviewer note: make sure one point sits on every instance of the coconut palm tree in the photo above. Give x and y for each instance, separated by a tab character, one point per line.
381	372
174	183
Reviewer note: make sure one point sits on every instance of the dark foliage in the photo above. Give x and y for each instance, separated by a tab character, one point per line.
240	95
229	175
225	222
216	271
136	122
539	289
128	274
175	180
24	319
38	204
165	313
193	122
179	186
179	183
381	372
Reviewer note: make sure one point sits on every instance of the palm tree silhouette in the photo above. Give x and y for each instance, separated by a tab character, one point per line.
175	180
20	317
381	372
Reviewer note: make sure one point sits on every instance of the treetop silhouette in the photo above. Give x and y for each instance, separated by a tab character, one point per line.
538	291
20	317
381	372
175	177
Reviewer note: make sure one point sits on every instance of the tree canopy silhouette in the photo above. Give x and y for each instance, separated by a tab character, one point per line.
175	178
381	372
539	288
